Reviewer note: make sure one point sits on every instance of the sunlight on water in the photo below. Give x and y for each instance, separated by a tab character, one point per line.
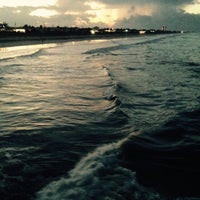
15	51
49	88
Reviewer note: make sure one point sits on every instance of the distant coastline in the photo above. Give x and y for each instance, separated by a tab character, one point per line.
38	35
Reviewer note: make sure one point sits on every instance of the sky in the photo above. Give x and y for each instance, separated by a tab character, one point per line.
139	14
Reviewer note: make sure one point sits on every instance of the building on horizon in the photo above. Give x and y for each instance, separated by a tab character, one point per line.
164	28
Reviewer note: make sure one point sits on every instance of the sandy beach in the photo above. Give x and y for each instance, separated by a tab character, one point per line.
30	40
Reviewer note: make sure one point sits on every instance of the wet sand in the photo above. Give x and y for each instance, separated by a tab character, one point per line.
30	40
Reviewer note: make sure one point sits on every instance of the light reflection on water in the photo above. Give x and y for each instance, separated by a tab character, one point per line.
64	84
53	87
14	51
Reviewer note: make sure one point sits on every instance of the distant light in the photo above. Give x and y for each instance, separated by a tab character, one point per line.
19	30
93	32
142	32
182	32
110	30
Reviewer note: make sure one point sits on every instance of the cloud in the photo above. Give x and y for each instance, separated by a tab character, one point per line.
70	5
95	5
101	13
42	12
35	3
156	13
17	11
193	8
72	13
179	14
173	18
172	2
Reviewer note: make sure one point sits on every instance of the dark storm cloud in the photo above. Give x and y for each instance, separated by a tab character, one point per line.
174	19
166	12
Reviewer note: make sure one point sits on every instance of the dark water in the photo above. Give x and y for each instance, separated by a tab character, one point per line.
102	119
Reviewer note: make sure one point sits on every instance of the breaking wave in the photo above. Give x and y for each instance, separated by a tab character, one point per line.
98	176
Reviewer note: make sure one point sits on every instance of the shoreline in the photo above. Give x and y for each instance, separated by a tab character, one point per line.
10	41
32	40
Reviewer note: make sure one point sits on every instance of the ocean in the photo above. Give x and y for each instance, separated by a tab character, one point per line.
107	119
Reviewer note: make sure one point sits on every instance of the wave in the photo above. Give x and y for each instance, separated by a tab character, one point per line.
130	44
166	157
150	165
23	51
181	63
97	176
126	169
91	119
21	55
